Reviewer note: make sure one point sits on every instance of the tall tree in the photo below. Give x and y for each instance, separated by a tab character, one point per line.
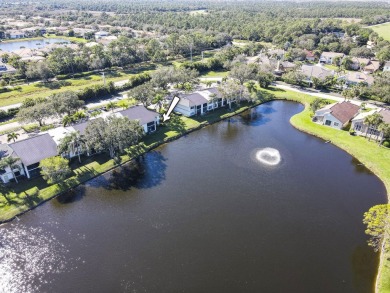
114	134
37	113
66	103
72	142
372	121
54	169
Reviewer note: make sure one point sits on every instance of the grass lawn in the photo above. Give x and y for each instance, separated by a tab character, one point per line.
35	90
383	30
331	67
215	74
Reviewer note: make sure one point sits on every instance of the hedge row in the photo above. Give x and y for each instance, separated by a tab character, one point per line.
10	113
211	64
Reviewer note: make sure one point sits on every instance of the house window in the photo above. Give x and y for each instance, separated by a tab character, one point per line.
358	127
373	131
328	122
335	124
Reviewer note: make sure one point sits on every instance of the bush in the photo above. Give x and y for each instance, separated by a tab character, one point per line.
386	144
47	127
31	128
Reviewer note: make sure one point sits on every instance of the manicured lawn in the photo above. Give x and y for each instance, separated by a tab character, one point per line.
383	30
331	67
216	74
36	90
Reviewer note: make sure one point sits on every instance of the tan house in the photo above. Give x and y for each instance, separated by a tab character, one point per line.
363	129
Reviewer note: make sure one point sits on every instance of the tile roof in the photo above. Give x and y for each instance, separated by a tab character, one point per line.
316	71
344	111
140	113
33	150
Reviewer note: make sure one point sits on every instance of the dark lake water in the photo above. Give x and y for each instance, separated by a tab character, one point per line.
203	215
34	44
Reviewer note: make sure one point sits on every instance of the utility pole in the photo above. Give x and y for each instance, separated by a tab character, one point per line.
104	79
202	55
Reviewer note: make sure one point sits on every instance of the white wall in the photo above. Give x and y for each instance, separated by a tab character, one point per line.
335	123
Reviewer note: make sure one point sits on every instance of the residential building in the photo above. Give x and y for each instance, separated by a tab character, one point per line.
199	102
32	150
386	67
354	78
329	57
361	128
370	44
6	69
100	34
16	34
336	115
6	174
310	56
315	71
148	119
286	66
365	64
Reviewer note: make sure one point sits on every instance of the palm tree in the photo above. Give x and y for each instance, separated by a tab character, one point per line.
111	106
67	120
374	121
71	143
12	136
11	163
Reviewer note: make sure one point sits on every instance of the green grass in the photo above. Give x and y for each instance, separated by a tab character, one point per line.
215	74
72	39
383	30
331	67
36	90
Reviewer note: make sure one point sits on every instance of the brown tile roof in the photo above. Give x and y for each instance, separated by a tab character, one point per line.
344	111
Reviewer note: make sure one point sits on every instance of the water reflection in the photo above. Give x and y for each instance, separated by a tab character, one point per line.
29	256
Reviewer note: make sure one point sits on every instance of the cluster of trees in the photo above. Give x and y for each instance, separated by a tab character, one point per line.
38	110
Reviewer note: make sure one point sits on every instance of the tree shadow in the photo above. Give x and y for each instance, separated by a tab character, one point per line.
144	172
72	195
359	167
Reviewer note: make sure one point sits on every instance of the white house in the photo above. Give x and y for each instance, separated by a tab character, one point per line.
199	102
354	78
329	57
148	119
336	115
32	150
386	67
101	34
16	34
361	128
6	174
6	68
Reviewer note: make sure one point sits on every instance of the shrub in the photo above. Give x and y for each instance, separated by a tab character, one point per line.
47	127
386	144
30	128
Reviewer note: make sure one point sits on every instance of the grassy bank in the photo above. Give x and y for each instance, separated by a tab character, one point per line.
383	30
28	194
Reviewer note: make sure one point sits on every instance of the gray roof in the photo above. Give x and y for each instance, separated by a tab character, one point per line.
385	115
33	150
215	91
316	71
140	113
195	99
80	127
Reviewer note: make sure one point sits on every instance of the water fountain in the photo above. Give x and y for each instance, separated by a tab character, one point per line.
268	156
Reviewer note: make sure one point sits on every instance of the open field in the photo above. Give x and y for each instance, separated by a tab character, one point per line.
383	30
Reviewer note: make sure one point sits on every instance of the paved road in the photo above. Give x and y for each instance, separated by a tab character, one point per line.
323	96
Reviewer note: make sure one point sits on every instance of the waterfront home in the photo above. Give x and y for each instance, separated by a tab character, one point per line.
14	34
386	67
362	128
199	102
6	69
336	115
329	57
148	119
32	150
6	173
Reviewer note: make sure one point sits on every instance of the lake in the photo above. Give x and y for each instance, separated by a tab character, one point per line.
204	214
32	44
